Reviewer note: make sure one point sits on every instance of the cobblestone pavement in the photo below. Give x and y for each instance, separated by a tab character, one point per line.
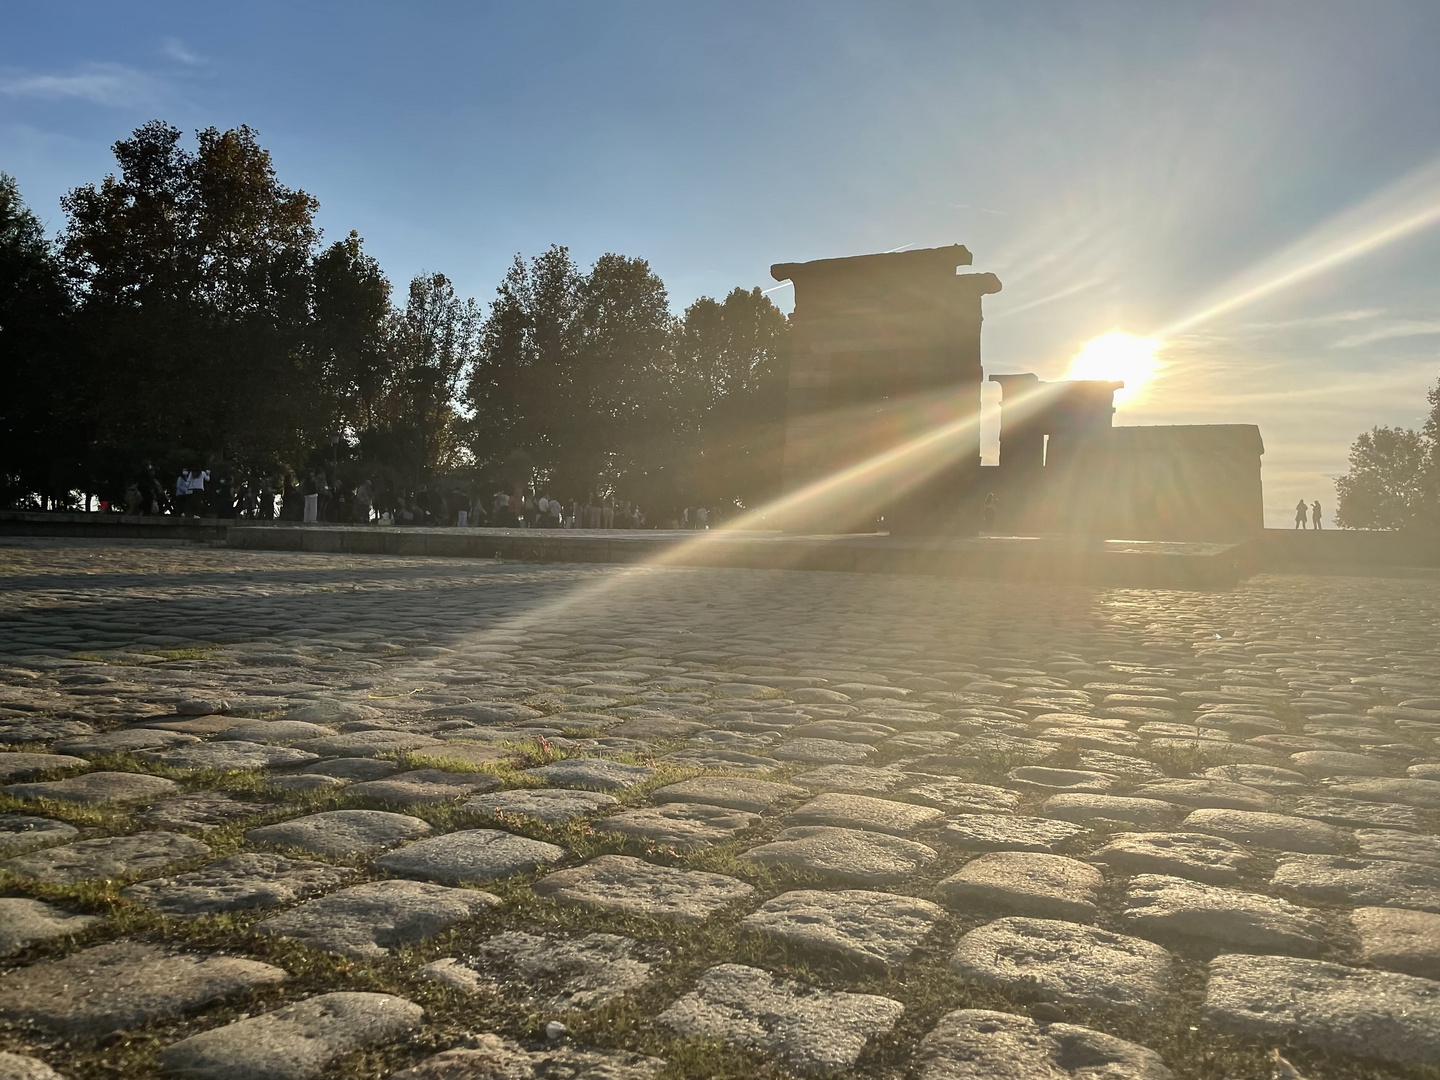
275	816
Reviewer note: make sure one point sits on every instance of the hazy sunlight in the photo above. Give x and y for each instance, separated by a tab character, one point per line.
1119	357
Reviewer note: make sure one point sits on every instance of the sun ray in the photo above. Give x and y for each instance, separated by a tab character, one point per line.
1403	208
860	489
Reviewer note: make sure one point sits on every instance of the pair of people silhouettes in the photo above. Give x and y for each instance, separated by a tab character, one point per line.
1312	511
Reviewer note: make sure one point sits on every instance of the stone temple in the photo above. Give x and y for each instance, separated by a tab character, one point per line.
883	407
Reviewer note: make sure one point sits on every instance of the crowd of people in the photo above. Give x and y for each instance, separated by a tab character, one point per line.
321	495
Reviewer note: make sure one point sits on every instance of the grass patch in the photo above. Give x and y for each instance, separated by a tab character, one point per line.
195	652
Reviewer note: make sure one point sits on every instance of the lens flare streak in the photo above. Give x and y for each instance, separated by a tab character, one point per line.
1401	209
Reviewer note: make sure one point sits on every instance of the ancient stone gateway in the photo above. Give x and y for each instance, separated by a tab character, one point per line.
1065	468
882	412
882	426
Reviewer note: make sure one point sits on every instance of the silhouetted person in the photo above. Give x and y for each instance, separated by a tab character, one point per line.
1300	511
310	493
1315	515
153	491
222	498
323	496
364	496
987	512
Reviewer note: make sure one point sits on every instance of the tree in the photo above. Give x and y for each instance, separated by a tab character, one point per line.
731	361
187	314
192	271
574	373
1394	477
433	345
38	426
623	380
522	386
351	331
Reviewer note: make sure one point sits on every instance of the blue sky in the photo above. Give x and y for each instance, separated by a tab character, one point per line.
1121	166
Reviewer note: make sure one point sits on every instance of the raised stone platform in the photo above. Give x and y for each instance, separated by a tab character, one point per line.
1053	559
1046	559
107	526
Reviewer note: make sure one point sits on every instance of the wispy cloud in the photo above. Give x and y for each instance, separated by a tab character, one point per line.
111	85
1328	318
1401	328
1070	290
176	49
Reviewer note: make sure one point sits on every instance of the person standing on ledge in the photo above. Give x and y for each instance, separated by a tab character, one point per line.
1300	511
364	496
1315	515
198	477
182	492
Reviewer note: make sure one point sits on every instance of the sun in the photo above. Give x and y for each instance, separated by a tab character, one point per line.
1119	357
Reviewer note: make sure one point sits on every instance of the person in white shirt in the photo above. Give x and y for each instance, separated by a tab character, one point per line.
182	492
197	491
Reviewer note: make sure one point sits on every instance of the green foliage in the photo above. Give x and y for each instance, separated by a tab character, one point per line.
37	445
586	379
573	372
731	362
193	271
188	315
1394	477
352	311
523	371
432	345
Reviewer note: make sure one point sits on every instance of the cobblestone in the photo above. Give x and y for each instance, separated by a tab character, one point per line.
551	973
492	1056
293	1042
978	1044
106	857
123	985
366	920
24	922
880	927
206	753
811	1029
1066	962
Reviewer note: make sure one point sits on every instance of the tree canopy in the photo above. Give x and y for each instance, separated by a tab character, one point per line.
40	431
1394	477
190	314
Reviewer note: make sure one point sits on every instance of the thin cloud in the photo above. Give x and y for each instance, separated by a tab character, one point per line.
1325	319
1002	312
112	85
1402	328
175	49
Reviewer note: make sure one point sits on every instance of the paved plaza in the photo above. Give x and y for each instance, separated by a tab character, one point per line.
272	816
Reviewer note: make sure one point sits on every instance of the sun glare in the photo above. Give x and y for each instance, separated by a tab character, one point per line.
1119	357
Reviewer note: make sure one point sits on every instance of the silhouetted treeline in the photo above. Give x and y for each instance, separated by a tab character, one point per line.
188	315
1394	477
